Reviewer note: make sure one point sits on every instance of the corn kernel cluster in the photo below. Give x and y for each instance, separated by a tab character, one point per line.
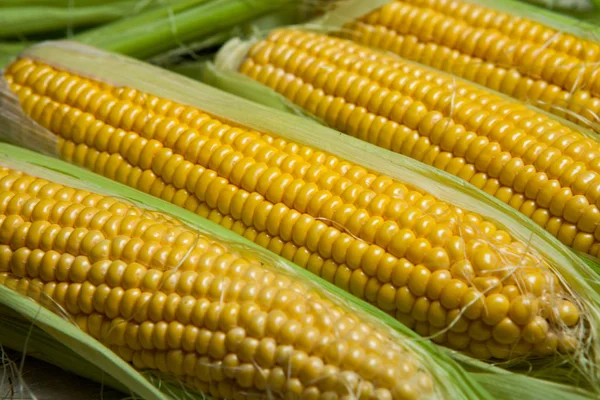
166	298
546	170
524	59
443	271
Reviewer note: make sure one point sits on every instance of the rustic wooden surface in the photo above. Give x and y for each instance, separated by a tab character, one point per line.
44	381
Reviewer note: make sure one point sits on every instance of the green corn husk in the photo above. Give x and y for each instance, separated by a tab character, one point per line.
286	15
111	33
222	78
60	3
166	29
584	27
437	360
20	334
161	30
583	370
26	20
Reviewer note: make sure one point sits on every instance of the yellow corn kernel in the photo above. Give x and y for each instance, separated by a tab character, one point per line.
430	264
524	59
211	318
546	170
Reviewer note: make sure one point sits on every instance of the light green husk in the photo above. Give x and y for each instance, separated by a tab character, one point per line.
240	85
121	71
456	383
19	333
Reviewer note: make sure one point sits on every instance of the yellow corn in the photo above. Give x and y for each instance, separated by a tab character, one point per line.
442	271
166	298
524	59
546	170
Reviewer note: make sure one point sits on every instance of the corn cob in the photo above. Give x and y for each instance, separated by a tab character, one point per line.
164	297
554	70
443	271
545	169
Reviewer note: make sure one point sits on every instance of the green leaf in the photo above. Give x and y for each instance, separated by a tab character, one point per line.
160	30
26	20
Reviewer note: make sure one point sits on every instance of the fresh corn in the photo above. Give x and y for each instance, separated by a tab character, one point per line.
525	59
446	272
166	298
547	170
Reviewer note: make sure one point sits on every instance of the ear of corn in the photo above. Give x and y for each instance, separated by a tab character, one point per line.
401	240
55	339
551	63
268	311
525	158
